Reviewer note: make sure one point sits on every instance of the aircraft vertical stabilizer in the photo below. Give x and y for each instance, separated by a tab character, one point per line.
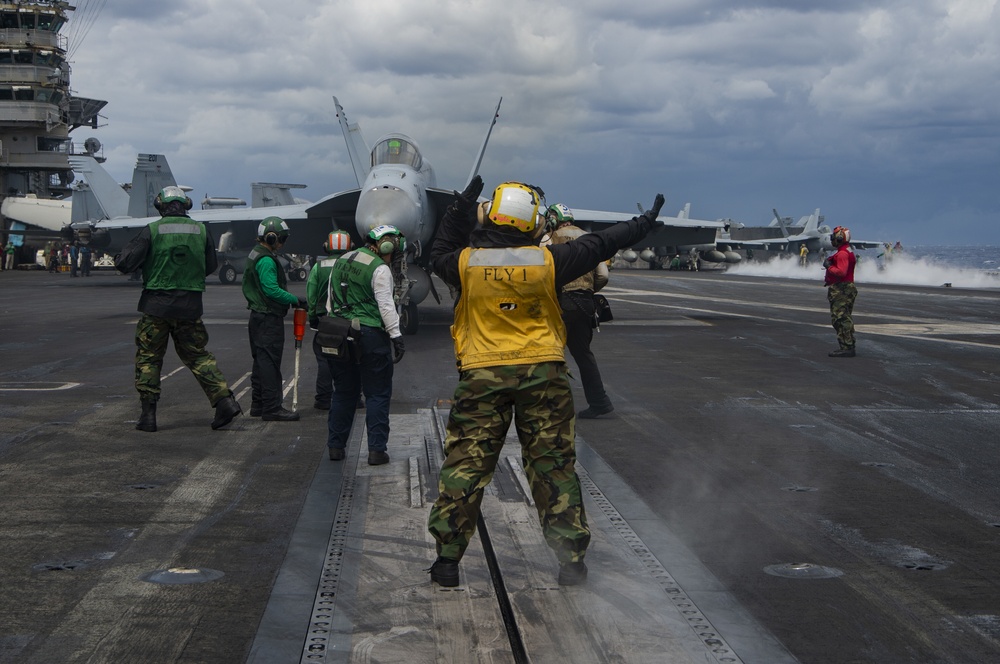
151	174
105	198
781	222
272	194
482	150
811	223
356	146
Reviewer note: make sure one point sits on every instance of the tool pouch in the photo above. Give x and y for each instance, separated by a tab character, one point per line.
336	336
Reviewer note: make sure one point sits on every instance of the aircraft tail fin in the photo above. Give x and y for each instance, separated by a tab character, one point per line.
482	150
811	223
271	194
685	213
103	198
781	223
151	174
357	149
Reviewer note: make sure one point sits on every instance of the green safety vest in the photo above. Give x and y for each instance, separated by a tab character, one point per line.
176	260
352	287
254	292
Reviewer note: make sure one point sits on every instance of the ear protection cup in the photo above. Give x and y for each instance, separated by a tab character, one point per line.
386	239
387	245
271	239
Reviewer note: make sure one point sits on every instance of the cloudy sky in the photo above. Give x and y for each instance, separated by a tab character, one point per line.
885	114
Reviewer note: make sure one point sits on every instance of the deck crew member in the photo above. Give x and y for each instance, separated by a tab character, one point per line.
334	246
841	291
175	253
264	289
509	338
362	289
577	302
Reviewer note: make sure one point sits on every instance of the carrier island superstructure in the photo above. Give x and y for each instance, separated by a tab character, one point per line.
38	110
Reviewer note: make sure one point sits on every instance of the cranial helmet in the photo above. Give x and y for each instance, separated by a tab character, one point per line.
556	215
272	231
169	195
841	235
559	212
386	239
337	241
514	204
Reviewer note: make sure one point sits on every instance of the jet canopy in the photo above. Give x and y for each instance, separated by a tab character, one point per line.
397	149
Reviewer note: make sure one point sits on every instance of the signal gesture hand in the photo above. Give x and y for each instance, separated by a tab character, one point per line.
467	199
651	214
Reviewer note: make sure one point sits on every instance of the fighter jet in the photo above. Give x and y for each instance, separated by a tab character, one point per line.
680	235
815	236
396	186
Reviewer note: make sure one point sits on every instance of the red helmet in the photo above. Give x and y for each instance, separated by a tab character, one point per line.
841	235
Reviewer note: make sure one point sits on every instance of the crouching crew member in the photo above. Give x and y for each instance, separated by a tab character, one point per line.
509	337
268	301
175	253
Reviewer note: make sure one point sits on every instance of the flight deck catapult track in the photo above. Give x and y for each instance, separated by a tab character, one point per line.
374	596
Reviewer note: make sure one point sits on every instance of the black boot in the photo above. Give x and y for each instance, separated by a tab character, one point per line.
444	572
147	421
225	410
280	415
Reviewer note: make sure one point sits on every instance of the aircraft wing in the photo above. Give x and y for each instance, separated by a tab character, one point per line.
309	223
674	231
764	244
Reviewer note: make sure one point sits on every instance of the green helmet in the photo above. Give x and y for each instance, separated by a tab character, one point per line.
387	239
272	231
557	214
169	195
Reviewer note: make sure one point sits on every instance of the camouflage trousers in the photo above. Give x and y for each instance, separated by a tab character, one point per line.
190	338
538	399
841	297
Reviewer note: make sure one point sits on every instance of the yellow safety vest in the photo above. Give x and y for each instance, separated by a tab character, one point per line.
509	311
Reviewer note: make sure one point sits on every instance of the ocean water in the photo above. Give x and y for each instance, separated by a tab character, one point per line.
960	266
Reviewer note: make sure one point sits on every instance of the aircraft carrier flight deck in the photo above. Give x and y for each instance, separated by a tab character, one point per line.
751	499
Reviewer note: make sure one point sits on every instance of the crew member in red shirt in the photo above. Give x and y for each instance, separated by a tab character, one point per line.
841	291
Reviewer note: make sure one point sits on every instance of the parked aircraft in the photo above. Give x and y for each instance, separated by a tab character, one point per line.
35	217
693	238
815	236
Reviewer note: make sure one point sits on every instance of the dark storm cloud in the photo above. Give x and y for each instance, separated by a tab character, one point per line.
881	112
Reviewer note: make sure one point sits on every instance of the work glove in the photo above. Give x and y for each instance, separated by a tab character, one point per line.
303	303
826	262
466	201
398	348
314	323
651	214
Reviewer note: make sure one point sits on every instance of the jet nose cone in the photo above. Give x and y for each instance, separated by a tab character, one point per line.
388	205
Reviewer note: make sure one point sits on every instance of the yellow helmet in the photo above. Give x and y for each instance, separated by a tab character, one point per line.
514	204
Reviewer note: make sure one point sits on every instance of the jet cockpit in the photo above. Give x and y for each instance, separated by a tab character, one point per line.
397	149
